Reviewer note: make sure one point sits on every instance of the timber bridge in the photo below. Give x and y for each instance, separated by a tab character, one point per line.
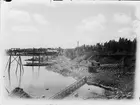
36	53
33	52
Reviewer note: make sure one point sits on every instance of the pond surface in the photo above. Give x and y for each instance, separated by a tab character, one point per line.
42	82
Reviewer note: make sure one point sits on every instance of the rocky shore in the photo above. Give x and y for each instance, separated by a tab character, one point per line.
112	80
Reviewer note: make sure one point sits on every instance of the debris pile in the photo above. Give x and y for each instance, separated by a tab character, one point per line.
19	93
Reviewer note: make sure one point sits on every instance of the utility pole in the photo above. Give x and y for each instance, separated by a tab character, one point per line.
77	43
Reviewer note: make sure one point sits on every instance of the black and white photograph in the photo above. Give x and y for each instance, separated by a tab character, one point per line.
69	51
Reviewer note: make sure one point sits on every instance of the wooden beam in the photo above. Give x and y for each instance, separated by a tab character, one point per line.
9	71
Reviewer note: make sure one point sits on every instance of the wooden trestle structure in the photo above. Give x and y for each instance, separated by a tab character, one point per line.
19	65
16	53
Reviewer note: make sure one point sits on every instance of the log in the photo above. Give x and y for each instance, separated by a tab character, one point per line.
102	86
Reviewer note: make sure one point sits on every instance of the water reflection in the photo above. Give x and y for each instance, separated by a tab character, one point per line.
47	83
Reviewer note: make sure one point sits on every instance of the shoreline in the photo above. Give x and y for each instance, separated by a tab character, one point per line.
110	92
65	73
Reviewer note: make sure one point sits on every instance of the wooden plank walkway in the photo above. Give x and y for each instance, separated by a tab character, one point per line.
32	52
70	89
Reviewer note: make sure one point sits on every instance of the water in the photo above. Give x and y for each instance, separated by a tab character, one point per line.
47	83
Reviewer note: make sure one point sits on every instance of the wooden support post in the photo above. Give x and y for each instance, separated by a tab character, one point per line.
20	72
39	61
17	69
47	57
39	65
7	64
32	63
9	70
21	65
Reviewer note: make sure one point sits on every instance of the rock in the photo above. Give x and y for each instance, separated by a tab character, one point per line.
43	96
76	95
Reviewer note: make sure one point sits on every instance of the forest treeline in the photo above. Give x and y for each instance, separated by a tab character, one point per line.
122	46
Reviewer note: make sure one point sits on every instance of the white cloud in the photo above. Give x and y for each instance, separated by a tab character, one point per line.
137	22
24	29
137	11
24	2
40	19
93	23
122	18
127	32
18	15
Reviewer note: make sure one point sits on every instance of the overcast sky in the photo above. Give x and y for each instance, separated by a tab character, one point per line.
33	24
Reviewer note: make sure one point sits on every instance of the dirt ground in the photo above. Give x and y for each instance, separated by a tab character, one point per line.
123	83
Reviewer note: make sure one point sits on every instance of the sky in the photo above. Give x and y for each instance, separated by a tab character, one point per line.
42	24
